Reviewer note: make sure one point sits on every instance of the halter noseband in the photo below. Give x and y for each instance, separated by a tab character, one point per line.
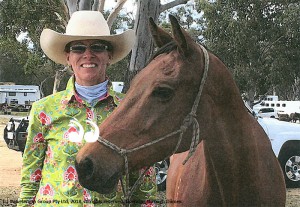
189	120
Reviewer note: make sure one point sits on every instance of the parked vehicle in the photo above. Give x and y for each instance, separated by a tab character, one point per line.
118	86
285	140
161	169
15	133
268	112
19	97
282	107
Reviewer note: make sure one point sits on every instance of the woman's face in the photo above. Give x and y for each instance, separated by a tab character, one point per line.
89	60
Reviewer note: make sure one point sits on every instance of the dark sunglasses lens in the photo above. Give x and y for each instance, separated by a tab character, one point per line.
78	48
98	48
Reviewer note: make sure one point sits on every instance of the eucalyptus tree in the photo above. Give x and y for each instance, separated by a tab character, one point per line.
250	37
144	45
27	18
286	66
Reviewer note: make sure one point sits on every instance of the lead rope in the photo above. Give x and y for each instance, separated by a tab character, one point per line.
189	120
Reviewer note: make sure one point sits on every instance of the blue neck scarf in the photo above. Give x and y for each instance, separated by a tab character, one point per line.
92	93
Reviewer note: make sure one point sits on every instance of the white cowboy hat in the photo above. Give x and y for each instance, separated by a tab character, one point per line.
85	25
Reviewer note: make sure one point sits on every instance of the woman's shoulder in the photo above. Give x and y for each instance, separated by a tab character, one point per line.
53	98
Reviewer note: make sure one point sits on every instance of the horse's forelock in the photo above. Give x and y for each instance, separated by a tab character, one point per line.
167	48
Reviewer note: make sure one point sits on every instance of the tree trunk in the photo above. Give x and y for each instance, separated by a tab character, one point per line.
85	4
59	74
143	47
72	6
114	13
57	80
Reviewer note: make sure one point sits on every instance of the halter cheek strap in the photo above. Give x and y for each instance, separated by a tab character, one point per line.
189	120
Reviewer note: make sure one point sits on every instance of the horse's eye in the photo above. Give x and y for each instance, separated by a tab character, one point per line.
163	93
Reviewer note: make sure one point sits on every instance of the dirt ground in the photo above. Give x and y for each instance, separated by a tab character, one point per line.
10	166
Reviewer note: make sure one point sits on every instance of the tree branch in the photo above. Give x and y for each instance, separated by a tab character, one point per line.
95	5
170	5
114	13
268	47
101	6
72	6
85	4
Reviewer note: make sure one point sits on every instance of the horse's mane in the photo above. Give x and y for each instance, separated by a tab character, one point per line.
172	46
164	49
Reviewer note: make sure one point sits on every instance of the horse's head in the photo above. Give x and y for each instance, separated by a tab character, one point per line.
159	99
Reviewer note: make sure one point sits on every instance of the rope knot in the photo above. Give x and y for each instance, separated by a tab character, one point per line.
193	114
183	128
123	152
188	120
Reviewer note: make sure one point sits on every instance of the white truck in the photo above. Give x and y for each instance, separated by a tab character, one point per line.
18	97
282	107
285	140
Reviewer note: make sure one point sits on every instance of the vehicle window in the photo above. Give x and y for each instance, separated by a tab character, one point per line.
266	110
12	94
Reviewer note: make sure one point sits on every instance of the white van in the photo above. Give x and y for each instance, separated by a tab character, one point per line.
268	113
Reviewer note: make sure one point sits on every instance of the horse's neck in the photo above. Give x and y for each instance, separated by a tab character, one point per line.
230	147
231	130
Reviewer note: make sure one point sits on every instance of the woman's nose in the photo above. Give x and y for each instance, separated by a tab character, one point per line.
88	53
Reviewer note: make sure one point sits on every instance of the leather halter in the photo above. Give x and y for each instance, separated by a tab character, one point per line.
189	120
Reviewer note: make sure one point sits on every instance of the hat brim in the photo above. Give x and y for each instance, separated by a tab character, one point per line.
53	44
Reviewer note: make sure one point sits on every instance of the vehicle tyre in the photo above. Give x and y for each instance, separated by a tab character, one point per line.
290	165
161	169
20	108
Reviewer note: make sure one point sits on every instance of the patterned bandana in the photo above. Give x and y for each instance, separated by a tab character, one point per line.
91	93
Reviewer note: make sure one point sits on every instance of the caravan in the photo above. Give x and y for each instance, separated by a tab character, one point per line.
18	97
282	107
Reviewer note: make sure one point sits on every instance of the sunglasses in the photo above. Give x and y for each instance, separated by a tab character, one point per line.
96	48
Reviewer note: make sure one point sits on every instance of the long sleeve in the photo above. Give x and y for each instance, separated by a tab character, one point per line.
33	159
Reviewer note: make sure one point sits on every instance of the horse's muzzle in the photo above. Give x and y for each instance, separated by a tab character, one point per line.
85	168
89	178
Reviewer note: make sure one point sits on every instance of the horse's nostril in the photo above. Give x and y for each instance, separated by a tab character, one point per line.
85	168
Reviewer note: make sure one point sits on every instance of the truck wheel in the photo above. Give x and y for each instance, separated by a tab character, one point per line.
290	164
161	169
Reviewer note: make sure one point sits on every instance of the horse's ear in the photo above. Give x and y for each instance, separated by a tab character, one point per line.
160	36
179	35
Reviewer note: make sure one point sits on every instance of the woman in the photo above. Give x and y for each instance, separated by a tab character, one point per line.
49	176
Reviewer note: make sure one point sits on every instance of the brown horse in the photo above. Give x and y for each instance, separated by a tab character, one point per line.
233	165
294	117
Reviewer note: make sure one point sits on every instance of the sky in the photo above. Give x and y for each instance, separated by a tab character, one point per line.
129	5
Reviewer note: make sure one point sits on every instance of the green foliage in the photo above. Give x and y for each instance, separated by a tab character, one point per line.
24	62
257	40
117	71
188	19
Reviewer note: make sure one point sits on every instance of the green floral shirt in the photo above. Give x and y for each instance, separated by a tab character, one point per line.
49	176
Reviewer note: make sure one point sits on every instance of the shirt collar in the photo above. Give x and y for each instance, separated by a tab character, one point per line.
71	94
